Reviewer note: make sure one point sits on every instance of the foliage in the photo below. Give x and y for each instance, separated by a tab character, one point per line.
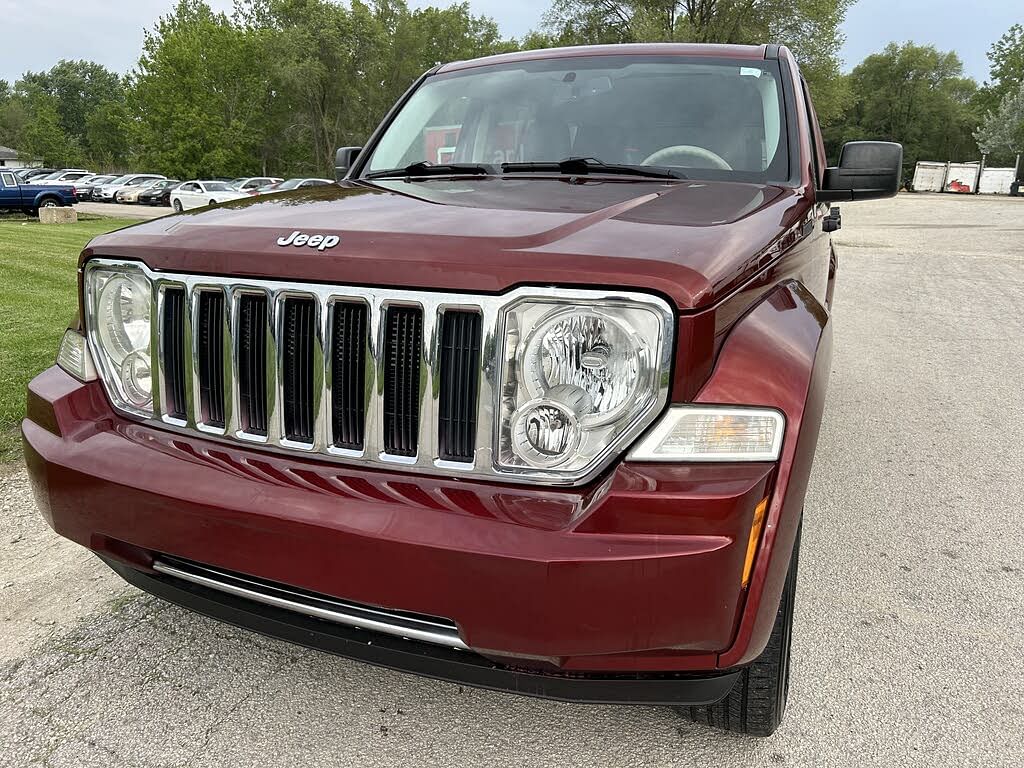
1002	132
43	135
912	94
199	95
1007	58
811	28
78	87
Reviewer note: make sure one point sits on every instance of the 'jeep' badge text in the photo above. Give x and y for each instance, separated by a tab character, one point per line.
320	242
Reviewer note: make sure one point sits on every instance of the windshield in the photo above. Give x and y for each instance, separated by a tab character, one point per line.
707	118
290	184
120	180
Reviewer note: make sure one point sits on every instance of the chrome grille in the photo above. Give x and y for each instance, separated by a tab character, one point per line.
348	373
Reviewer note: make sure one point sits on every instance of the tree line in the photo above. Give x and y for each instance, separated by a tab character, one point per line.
277	85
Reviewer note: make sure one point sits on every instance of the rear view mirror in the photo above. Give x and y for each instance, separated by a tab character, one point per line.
343	160
867	170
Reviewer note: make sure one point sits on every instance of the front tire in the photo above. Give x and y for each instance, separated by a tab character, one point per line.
177	206
757	703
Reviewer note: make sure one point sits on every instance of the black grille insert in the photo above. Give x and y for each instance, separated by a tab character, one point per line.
460	376
348	374
172	343
210	348
403	341
297	376
252	363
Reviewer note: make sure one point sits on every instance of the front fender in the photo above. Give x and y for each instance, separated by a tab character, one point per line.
779	356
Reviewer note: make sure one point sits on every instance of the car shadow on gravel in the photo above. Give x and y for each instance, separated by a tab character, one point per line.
143	682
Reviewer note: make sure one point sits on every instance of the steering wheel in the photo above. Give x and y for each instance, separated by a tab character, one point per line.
685	155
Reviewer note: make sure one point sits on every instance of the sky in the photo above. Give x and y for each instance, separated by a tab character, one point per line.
36	35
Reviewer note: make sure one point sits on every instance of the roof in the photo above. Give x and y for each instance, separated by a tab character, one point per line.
630	49
6	153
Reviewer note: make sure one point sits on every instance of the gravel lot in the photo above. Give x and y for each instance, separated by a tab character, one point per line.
909	646
119	211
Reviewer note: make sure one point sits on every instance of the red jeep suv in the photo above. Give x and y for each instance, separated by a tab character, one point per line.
527	401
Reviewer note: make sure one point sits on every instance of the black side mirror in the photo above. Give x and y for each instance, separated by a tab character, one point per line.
867	170
343	160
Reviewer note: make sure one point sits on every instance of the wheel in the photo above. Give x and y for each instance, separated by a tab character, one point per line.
49	203
757	703
177	206
213	202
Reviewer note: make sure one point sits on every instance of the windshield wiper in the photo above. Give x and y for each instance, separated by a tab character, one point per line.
583	165
425	168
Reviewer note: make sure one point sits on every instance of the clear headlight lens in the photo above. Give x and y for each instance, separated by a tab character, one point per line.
713	433
578	379
118	304
589	351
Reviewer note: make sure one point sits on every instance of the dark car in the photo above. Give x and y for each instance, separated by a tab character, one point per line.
528	401
27	174
16	195
159	193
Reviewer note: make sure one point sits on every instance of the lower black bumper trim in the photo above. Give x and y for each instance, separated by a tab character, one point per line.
463	667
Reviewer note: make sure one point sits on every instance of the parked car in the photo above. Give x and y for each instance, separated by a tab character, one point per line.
107	192
159	193
253	184
87	187
541	421
66	176
283	186
27	174
197	193
130	195
16	195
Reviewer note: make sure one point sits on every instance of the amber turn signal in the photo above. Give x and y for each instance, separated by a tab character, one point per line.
755	536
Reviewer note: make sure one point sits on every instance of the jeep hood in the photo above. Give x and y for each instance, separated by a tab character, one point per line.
693	241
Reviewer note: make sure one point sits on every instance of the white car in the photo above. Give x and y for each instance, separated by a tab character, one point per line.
66	176
252	184
196	194
108	192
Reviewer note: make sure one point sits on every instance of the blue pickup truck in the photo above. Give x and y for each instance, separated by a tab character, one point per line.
29	198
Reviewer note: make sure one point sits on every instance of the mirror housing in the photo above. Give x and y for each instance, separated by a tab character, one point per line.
343	160
867	170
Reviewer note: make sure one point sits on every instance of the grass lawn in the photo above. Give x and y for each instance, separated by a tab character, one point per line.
38	287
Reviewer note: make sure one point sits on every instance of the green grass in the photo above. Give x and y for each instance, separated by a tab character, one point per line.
38	287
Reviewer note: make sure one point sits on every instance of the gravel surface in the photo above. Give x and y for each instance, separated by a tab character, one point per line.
909	644
119	211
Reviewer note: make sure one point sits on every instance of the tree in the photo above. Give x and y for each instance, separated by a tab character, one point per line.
811	28
915	95
78	87
1002	132
107	134
199	96
44	137
1007	61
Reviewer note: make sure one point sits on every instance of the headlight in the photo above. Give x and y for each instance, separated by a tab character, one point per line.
118	305
578	381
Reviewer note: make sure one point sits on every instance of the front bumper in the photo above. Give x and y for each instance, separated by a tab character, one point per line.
637	574
679	688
